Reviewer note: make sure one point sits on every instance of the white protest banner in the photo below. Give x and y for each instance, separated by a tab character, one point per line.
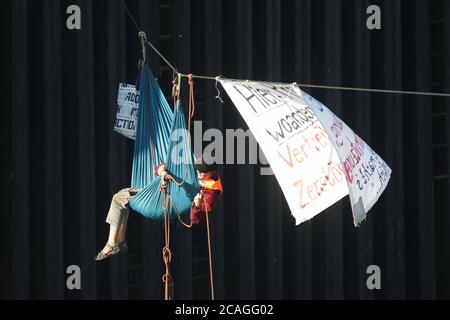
366	173
127	110
294	142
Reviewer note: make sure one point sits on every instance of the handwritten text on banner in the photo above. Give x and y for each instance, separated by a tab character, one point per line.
294	133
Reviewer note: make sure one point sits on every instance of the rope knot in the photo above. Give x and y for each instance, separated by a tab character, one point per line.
174	90
191	81
163	187
167	254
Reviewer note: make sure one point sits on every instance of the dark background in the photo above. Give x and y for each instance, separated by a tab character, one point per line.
61	160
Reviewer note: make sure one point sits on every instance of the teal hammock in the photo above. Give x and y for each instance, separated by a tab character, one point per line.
161	137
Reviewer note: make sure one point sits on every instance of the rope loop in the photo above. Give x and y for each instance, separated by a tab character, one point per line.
167	254
190	80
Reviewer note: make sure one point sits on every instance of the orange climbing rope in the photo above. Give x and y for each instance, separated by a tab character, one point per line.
175	93
167	254
211	276
174	90
191	101
168	200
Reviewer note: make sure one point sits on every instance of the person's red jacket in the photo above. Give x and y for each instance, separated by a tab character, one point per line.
211	188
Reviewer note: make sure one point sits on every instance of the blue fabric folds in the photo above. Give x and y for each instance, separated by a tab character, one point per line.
161	137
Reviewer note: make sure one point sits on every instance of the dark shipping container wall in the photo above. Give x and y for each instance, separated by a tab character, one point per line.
63	161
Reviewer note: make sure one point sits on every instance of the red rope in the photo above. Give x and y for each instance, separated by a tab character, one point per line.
191	101
174	91
167	254
211	276
190	116
178	214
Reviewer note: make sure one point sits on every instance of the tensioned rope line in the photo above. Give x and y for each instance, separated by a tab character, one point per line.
146	40
421	93
374	90
130	15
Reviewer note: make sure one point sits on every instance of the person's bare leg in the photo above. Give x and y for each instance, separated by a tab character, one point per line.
122	230
123	227
112	239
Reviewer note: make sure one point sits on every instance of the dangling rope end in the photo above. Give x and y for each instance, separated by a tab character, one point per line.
174	89
143	37
191	100
179	86
218	91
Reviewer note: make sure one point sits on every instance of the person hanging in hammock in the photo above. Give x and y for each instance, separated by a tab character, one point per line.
117	218
210	190
118	214
203	204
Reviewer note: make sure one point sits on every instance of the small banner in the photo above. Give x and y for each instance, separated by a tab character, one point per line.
127	110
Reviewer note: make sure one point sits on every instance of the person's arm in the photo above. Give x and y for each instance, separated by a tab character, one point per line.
209	200
198	200
161	171
205	201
